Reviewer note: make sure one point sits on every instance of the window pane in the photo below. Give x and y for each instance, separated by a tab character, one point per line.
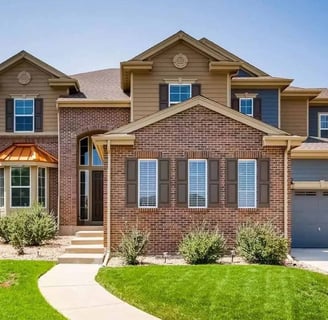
84	152
247	183
24	123
96	161
42	186
147	183
179	93
197	180
84	195
246	106
2	188
20	197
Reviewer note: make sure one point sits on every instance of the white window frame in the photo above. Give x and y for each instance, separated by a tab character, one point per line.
88	194
206	183
32	115
255	183
248	99
45	205
11	187
4	186
319	123
156	183
171	103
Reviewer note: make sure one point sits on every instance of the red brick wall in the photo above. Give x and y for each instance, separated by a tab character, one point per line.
197	129
75	123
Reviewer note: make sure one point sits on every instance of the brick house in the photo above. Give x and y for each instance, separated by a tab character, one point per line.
185	132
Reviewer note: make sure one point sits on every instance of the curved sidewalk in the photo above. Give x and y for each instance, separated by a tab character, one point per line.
72	290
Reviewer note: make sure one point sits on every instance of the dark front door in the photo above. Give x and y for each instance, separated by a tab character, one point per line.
97	209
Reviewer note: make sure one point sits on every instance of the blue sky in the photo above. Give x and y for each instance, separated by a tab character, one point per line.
286	38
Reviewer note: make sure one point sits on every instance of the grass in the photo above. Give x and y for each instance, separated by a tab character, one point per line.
221	291
20	297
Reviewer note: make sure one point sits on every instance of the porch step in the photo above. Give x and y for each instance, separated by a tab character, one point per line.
87	240
86	248
89	234
86	258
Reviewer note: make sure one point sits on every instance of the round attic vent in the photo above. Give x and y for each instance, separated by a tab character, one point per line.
24	77
180	61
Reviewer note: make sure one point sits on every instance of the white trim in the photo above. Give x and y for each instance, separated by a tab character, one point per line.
45	186
319	123
4	188
88	194
171	103
206	182
29	206
32	115
255	183
79	160
247	114
156	183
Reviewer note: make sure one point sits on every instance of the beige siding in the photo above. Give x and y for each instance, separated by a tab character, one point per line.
294	116
146	86
9	86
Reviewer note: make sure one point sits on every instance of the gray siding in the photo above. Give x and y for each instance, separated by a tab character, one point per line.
309	170
269	99
313	119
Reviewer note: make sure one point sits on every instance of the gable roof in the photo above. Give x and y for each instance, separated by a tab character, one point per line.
198	101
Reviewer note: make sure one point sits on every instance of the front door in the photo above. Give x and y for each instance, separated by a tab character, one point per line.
97	210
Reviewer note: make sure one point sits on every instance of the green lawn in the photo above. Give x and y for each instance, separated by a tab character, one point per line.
221	291
20	297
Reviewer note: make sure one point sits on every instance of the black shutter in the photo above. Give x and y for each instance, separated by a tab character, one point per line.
195	89
182	182
38	115
131	173
257	112
163	182
163	96
9	115
263	187
231	183
235	104
213	182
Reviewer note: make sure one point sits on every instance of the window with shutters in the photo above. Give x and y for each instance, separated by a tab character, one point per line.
247	180
24	115
246	106
323	125
197	183
179	93
147	183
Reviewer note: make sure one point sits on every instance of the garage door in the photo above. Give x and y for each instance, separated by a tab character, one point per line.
310	219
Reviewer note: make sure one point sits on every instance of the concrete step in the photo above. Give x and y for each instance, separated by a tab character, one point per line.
90	233
85	248
87	240
82	258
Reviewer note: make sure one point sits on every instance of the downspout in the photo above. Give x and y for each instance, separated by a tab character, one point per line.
286	186
58	172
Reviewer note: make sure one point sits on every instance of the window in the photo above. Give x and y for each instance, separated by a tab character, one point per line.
147	184
247	183
179	93
2	187
246	106
84	151
20	187
42	186
84	195
197	182
96	161
24	115
323	125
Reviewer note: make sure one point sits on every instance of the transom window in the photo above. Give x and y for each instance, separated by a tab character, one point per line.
247	183
24	115
147	180
87	148
20	187
197	183
323	125
2	187
179	93
42	186
246	106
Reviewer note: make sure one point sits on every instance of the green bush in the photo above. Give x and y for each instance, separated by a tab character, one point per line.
133	244
202	246
4	229
17	232
260	243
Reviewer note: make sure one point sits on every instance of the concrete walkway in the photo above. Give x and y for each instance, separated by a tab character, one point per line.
317	258
72	290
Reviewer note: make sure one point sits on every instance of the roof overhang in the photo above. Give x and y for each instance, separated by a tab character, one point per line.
319	102
260	82
310	185
64	82
292	94
133	66
224	66
92	103
292	141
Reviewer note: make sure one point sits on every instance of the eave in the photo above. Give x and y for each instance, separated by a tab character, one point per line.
91	103
275	140
133	66
319	102
224	66
260	82
310	185
300	93
64	82
309	154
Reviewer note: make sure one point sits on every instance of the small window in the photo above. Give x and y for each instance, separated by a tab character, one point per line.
179	93
84	151
24	115
96	161
147	180
20	187
197	183
246	183
84	195
42	186
246	106
2	187
323	125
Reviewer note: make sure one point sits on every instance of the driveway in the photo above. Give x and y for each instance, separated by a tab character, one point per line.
316	258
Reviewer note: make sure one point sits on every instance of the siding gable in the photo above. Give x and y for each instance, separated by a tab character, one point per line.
313	120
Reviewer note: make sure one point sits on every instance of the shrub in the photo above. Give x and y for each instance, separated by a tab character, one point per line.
4	228
202	246
17	232
133	244
260	243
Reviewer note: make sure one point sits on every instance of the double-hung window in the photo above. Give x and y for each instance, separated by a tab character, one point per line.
323	125
179	93
2	187
20	187
24	115
147	183
197	183
246	106
247	183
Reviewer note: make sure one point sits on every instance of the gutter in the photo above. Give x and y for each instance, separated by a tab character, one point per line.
288	148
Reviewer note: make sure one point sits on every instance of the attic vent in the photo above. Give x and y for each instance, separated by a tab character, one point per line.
180	61
306	193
